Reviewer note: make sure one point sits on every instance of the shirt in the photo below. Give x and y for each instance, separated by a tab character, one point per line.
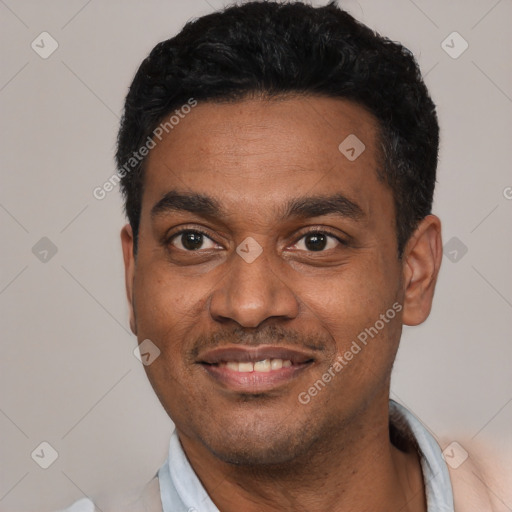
182	491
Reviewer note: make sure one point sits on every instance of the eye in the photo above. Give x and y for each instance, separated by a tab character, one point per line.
191	240
318	241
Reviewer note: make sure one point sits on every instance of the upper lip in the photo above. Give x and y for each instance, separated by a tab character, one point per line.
244	354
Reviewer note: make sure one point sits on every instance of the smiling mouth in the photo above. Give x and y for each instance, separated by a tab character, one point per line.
265	365
254	369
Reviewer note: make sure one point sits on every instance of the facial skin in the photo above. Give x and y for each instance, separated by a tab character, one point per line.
253	446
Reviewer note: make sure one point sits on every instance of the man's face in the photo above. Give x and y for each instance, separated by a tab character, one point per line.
213	303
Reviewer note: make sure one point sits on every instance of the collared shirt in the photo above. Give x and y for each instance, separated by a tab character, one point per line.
182	491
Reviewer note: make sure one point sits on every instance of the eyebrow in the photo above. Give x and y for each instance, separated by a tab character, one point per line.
303	207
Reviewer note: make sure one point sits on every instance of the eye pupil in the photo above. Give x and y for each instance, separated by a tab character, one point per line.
192	240
316	241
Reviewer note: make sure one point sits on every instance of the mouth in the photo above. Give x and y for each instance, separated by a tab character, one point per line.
254	369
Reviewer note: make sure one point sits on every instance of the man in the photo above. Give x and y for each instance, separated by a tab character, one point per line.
278	164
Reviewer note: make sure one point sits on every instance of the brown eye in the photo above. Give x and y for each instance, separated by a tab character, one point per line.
317	241
191	240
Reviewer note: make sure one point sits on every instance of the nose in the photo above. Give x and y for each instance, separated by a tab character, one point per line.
252	292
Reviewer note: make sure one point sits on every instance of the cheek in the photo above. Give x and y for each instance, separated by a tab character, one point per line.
164	302
167	311
350	299
172	311
349	306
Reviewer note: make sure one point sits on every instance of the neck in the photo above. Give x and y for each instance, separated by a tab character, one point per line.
356	470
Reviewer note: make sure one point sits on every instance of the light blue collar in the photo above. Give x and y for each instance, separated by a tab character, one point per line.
180	488
436	478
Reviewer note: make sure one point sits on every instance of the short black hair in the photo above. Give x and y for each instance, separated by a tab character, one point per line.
272	49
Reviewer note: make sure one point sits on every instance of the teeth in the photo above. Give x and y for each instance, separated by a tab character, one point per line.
245	367
266	365
276	364
262	366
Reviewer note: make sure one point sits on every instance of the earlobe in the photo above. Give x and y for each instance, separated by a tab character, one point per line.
422	260
129	270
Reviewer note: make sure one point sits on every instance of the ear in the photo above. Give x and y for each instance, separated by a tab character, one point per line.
422	259
129	270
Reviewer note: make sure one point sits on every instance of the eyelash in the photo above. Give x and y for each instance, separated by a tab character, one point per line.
312	231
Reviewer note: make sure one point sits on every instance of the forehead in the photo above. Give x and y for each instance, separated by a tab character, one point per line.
258	153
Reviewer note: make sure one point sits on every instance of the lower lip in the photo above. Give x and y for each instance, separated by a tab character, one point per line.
254	382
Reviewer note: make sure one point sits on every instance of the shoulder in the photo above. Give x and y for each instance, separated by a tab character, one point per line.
480	474
147	501
83	505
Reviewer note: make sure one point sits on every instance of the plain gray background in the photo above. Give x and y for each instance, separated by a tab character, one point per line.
68	374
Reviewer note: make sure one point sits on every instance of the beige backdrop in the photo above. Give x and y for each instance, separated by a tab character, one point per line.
68	375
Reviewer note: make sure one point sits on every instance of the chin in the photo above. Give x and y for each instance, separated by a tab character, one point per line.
257	446
254	456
